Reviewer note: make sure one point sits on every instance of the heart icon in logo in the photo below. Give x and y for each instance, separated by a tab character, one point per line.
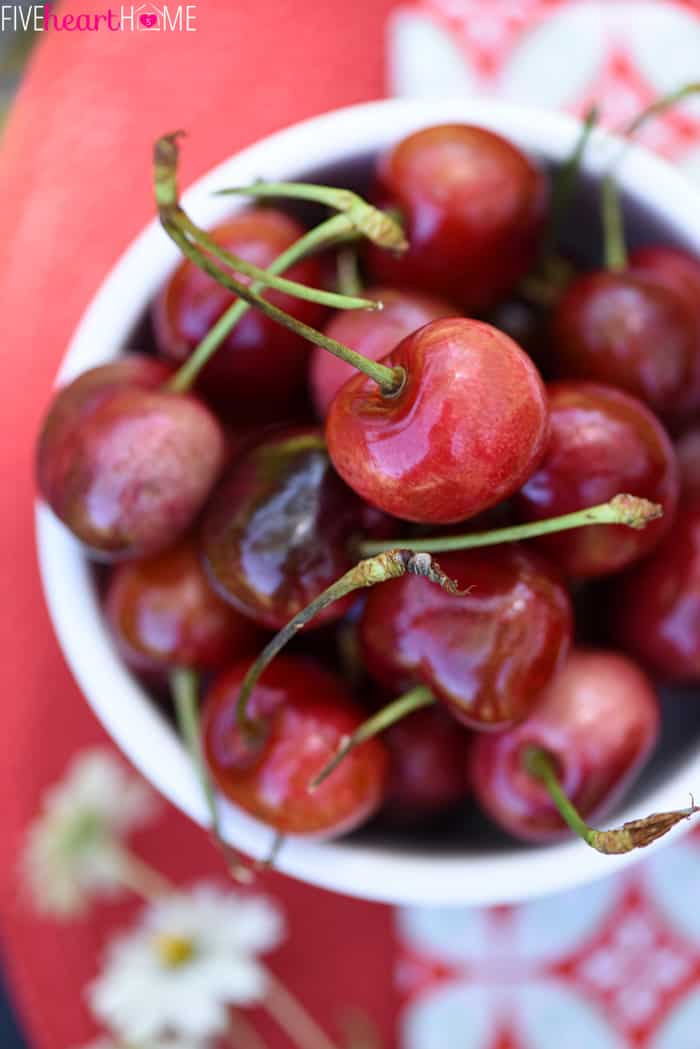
148	21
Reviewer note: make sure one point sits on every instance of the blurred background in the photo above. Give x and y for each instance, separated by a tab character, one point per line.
612	966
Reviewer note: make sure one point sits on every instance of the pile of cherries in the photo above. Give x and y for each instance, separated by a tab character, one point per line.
243	482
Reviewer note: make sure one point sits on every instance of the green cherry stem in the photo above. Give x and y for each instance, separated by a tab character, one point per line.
388	564
634	834
336	229
417	697
184	685
661	105
621	510
348	281
566	180
378	226
265	278
389	380
613	225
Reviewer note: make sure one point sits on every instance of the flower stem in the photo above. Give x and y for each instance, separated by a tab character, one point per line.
378	226
635	834
388	564
242	1034
662	104
141	877
338	228
615	249
417	697
293	1018
621	510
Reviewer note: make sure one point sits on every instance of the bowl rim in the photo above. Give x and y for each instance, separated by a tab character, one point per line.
394	875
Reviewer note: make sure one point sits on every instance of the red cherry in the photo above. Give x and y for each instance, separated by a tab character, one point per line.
688	455
306	712
373	335
473	205
679	272
278	530
467	429
624	328
656	605
127	467
602	442
598	721
488	653
261	367
427	771
164	614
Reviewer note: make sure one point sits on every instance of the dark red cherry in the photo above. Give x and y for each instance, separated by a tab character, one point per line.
127	467
473	205
466	430
305	713
261	367
679	272
602	442
164	614
487	653
278	530
371	334
688	455
427	753
598	721
626	329
656	605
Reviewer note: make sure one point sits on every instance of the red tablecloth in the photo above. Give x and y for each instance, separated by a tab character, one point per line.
74	189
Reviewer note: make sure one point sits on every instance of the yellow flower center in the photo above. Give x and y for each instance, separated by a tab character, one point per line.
173	950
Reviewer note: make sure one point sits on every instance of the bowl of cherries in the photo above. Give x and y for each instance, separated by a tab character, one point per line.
369	519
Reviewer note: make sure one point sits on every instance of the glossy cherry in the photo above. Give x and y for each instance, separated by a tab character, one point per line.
487	653
473	206
688	455
679	272
164	614
278	530
656	605
598	721
261	367
305	713
427	765
127	466
602	442
466	430
373	335
626	329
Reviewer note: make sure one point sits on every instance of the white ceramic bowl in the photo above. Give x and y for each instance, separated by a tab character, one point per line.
446	874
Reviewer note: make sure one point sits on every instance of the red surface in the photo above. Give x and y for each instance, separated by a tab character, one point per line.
74	190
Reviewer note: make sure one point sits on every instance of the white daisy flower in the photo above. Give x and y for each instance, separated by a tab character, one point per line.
190	959
74	847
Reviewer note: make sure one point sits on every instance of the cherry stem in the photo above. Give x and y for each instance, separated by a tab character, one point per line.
613	225
389	380
265	278
627	510
662	104
349	281
565	182
380	227
634	834
335	229
388	564
417	697
184	685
